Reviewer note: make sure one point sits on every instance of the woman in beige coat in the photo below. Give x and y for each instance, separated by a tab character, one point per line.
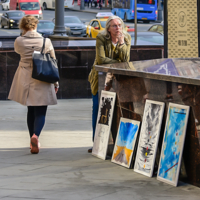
34	94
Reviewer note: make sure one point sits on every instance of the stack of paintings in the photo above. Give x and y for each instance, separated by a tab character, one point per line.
125	145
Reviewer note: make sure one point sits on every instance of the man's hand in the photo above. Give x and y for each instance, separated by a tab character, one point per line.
107	87
121	38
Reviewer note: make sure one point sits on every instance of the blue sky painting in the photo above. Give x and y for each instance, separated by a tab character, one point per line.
127	134
125	142
173	143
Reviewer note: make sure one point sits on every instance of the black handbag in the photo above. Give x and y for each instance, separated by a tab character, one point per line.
44	67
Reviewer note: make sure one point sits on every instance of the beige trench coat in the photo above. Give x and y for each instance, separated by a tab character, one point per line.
26	90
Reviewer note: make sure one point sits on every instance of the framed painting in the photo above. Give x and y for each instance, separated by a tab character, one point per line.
103	125
149	137
173	143
125	142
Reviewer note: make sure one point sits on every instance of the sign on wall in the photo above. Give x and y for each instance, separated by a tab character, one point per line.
182	28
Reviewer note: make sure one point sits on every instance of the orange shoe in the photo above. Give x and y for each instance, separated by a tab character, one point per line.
34	144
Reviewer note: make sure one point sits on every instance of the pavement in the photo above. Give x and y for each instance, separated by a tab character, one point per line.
63	169
90	10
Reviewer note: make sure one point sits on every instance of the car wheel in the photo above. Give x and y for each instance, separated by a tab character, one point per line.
125	18
44	6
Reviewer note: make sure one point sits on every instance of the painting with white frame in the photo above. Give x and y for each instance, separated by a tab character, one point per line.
173	143
125	142
149	137
103	124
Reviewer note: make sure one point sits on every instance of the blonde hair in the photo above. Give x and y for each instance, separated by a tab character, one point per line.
28	22
106	32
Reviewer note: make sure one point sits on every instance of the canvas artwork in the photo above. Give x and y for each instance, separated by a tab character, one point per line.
173	143
125	142
149	137
103	125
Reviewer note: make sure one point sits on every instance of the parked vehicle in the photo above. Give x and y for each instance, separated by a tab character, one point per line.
148	37
159	28
45	27
99	24
146	10
74	26
5	5
11	18
30	7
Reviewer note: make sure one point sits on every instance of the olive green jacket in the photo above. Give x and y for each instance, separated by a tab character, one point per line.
104	55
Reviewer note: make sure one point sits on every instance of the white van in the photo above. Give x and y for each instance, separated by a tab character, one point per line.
5	5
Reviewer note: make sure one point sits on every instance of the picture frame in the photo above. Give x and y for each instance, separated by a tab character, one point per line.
149	137
103	124
125	142
173	143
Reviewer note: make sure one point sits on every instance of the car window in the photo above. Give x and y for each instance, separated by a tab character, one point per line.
153	28
16	14
103	24
160	29
97	24
30	6
94	24
45	25
91	24
72	20
159	39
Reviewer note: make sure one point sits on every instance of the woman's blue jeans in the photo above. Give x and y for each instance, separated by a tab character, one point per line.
95	100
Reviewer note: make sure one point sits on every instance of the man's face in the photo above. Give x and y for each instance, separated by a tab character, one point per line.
115	28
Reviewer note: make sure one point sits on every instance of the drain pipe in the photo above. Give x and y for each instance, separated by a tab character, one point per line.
135	9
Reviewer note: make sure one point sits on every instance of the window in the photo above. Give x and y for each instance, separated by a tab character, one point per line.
154	28
30	6
45	25
72	20
160	29
152	2
103	24
94	24
16	14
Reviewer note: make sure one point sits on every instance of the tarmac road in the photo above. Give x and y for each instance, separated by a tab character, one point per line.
50	14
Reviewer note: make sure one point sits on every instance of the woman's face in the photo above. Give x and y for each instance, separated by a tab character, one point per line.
115	28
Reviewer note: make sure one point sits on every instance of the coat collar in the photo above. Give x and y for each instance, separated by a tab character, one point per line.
32	34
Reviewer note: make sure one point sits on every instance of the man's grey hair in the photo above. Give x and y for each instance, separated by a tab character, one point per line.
106	32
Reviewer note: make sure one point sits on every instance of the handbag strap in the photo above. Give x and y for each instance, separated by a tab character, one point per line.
43	45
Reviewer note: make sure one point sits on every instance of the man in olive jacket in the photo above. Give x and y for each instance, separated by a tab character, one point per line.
112	46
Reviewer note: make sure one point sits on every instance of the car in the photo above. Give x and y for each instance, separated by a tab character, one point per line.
45	28
74	26
97	25
11	18
147	36
104	14
159	28
5	4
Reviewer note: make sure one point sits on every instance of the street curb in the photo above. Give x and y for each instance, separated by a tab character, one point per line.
88	11
82	10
